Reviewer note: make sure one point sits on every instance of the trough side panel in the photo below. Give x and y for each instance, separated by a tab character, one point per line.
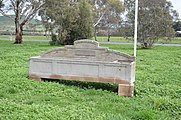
63	68
85	69
133	68
40	67
130	72
117	72
75	68
30	66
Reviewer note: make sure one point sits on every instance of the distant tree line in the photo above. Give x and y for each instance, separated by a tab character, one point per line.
155	20
70	20
177	25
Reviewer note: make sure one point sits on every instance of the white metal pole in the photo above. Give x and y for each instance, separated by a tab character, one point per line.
136	27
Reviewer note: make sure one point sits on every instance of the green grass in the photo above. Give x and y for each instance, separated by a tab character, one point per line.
99	38
157	89
176	40
112	39
25	37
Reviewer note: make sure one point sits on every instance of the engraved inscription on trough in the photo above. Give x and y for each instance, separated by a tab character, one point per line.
85	53
86	61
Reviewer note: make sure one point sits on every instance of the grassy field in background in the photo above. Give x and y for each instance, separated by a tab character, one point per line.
176	40
25	37
113	39
157	88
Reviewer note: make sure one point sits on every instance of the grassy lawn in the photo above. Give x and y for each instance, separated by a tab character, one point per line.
157	89
113	39
176	40
25	37
99	38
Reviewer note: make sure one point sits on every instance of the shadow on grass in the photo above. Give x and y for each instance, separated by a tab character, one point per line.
86	85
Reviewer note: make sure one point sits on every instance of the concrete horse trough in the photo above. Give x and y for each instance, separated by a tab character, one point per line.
86	61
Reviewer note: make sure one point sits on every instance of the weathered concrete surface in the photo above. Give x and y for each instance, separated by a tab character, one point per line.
86	61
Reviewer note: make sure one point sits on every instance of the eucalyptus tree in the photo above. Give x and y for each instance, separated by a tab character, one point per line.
70	19
177	25
1	3
106	14
113	17
155	20
23	11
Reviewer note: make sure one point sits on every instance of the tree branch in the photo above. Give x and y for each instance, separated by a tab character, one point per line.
32	14
4	14
13	4
100	18
25	11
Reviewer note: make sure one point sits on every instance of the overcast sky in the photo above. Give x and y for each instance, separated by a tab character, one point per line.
177	6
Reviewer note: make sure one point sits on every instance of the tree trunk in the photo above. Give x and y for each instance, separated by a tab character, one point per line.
95	34
19	33
108	35
18	26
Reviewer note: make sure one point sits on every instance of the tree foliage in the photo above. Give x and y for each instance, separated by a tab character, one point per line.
79	17
177	25
24	11
106	14
70	20
1	3
155	20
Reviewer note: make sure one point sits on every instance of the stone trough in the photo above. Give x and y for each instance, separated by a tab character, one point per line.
86	61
